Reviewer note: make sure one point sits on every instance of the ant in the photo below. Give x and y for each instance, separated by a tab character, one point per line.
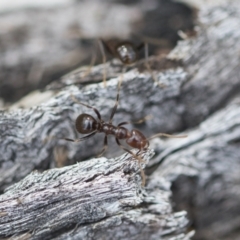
127	52
124	50
87	124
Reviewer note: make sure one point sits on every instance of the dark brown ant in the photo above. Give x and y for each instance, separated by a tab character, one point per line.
124	50
127	52
87	124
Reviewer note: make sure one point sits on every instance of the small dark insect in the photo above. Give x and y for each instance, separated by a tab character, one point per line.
127	52
87	124
124	50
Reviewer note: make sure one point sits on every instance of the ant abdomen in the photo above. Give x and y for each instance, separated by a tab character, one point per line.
137	140
85	123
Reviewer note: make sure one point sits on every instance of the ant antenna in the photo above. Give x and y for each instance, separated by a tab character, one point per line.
104	62
93	60
148	117
149	68
81	139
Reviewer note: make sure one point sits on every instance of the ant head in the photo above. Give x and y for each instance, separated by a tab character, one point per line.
86	123
126	53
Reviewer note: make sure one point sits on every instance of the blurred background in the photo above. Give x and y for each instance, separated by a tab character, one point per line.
42	40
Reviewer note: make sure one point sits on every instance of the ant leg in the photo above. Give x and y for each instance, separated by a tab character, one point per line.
123	123
148	117
80	139
104	147
88	106
167	135
93	60
140	46
116	103
149	68
137	122
144	149
140	160
104	62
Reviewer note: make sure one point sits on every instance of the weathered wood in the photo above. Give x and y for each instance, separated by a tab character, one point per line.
202	78
193	91
36	51
31	135
99	198
60	37
205	171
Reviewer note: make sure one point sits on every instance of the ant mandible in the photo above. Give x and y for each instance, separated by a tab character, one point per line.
87	124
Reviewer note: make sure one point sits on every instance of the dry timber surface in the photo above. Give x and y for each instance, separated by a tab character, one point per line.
192	183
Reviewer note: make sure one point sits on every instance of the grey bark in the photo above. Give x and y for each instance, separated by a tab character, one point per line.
201	78
39	45
97	199
205	171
